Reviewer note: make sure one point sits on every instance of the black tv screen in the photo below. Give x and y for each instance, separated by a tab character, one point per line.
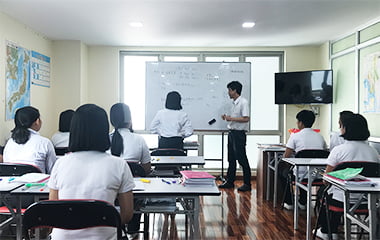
304	87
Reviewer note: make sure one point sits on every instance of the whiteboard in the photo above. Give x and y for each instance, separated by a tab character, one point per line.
203	88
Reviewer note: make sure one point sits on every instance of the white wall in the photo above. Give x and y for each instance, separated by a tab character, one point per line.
90	74
41	97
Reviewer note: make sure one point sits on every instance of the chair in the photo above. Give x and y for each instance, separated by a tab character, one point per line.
307	153
168	152
60	151
15	169
370	169
71	214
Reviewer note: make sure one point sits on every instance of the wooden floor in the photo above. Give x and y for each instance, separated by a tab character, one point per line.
234	215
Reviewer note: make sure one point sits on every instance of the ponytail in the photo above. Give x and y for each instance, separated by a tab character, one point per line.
117	145
24	119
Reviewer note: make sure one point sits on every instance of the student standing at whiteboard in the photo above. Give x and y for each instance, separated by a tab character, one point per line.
238	125
171	124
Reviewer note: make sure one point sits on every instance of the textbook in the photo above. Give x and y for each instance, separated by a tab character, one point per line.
351	176
197	178
32	178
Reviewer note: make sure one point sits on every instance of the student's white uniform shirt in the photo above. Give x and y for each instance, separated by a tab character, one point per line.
171	123
61	139
90	175
135	148
37	151
348	152
306	139
240	108
335	140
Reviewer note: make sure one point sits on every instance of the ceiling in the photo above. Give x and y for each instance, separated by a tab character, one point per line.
193	23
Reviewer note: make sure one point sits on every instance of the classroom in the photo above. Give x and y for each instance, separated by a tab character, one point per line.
106	52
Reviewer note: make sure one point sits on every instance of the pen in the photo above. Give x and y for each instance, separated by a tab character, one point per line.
35	184
11	179
165	181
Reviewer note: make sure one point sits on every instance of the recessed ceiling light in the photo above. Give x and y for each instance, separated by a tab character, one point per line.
136	24
248	25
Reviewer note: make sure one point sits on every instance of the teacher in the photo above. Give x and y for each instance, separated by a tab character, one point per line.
238	125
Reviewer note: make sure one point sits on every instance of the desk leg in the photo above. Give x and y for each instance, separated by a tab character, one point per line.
295	204
275	173
197	230
18	219
347	221
308	209
268	176
372	197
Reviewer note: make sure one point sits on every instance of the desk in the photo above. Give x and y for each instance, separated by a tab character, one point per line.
311	165
373	194
186	161
269	159
5	188
157	189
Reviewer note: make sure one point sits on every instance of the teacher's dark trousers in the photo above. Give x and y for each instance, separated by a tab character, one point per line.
237	140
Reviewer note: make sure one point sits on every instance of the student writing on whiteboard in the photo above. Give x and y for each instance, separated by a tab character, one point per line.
238	125
171	124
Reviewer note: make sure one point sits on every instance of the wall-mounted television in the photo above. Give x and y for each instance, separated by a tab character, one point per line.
308	87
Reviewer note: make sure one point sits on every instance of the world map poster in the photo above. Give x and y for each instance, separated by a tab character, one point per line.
371	83
17	75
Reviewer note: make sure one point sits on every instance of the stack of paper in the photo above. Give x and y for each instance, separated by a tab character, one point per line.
32	178
160	205
351	176
197	178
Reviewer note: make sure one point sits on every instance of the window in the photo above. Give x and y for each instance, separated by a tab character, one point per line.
263	129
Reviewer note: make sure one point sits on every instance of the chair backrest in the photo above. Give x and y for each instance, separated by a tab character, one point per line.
16	169
60	151
136	169
71	214
312	153
168	152
370	169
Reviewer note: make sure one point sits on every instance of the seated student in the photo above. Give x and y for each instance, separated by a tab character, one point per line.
171	124
305	139
131	147
26	145
61	138
125	143
335	137
355	131
88	172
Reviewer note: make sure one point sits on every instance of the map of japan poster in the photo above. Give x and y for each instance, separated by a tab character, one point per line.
17	76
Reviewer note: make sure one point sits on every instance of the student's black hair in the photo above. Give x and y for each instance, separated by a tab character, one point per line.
345	114
89	129
235	85
356	128
307	117
65	120
120	116
24	118
173	101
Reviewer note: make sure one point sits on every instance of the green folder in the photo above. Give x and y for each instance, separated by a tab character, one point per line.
346	174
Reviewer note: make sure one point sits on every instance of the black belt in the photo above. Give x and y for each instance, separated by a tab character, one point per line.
233	130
